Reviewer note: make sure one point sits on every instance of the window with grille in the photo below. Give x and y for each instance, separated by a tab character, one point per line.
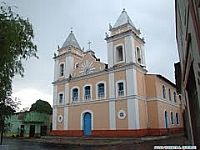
87	93
75	94
101	92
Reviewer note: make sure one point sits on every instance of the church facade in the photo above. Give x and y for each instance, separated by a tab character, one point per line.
91	98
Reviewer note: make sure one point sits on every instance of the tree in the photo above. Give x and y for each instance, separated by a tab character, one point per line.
16	35
41	106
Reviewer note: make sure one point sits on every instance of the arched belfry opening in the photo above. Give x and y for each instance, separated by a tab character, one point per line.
119	53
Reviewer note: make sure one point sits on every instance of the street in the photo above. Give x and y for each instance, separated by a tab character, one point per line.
91	144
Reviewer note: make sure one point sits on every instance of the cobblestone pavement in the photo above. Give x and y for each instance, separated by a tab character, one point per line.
63	143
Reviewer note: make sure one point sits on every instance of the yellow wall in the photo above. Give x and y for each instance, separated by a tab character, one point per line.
150	86
142	114
157	104
163	106
91	81
152	114
60	125
121	123
100	113
141	88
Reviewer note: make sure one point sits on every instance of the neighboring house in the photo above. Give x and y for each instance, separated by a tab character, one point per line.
28	124
92	98
164	105
188	69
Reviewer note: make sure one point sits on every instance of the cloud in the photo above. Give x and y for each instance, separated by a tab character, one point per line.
90	19
29	96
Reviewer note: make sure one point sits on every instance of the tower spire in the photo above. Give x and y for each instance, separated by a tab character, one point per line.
71	41
123	19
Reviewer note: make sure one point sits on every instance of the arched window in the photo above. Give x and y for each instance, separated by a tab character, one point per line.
119	53
177	118
87	95
61	98
101	92
166	119
175	97
75	94
163	91
170	95
61	70
172	118
120	89
139	59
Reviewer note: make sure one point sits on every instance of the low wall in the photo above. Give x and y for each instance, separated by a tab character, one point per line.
119	133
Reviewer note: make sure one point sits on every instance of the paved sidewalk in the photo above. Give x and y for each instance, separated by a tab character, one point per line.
96	141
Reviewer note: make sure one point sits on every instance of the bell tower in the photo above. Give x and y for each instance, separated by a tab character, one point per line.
124	44
68	55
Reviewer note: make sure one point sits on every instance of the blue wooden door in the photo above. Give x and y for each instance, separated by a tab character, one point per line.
87	124
166	120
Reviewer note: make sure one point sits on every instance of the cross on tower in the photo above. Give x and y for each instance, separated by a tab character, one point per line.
89	44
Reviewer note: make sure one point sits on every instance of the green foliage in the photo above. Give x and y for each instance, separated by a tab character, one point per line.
6	111
41	106
16	35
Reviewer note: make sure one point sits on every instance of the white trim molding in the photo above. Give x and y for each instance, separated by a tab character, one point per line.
54	118
129	46
110	55
56	70
112	115
132	104
54	95
67	93
111	86
112	109
66	109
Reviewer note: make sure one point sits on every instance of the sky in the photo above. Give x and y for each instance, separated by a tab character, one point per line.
89	19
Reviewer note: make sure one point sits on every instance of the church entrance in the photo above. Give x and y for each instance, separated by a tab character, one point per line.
87	124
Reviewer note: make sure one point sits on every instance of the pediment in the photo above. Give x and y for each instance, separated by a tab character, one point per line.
89	64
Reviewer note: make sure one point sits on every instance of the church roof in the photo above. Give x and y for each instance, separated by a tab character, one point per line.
123	19
71	41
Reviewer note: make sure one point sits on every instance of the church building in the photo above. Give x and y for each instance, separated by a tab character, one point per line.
118	99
